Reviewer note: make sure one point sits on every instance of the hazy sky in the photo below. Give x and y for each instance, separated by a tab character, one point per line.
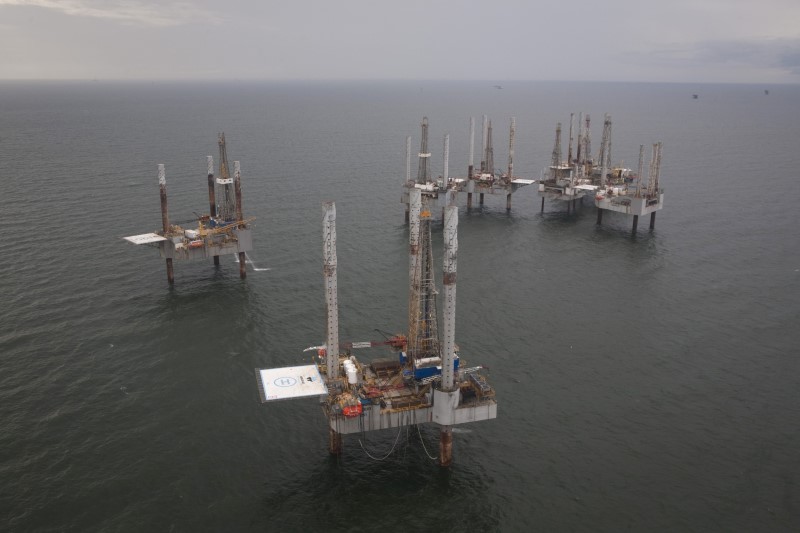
755	41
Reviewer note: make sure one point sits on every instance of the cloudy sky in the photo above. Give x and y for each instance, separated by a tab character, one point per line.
744	41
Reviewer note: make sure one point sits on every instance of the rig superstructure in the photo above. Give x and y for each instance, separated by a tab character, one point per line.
423	382
223	231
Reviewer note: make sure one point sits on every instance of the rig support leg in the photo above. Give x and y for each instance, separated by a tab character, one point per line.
170	275
212	202
242	265
406	213
635	223
446	446
599	216
334	442
480	200
652	220
508	202
542	211
469	200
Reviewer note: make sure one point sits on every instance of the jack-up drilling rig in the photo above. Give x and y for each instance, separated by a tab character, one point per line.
223	231
422	383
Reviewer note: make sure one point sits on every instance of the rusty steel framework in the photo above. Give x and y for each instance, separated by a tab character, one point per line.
655	171
227	207
489	157
423	330
604	156
555	159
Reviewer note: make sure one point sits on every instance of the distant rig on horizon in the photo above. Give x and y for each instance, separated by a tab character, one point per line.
615	188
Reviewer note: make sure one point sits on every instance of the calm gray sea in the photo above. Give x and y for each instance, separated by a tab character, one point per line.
645	383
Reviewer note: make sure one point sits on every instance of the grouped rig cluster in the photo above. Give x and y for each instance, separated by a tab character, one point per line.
223	231
422	382
419	378
614	188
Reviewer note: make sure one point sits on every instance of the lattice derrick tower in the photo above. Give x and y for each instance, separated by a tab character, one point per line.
227	206
423	335
555	159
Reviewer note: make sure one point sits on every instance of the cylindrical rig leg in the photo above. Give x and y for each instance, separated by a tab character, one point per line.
652	220
599	216
334	442
480	200
162	186
446	446
635	223
469	200
406	213
542	211
242	265
508	202
212	200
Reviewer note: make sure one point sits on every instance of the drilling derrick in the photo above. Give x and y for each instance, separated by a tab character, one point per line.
227	207
605	150
587	140
423	335
489	157
569	150
655	169
555	160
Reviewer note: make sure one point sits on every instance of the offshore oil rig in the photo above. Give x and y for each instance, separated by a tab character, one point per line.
221	232
423	382
570	180
617	188
443	191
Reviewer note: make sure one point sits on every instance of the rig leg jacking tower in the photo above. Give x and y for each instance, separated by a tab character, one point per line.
421	383
223	231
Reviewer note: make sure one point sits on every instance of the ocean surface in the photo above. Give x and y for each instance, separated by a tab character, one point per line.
645	383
